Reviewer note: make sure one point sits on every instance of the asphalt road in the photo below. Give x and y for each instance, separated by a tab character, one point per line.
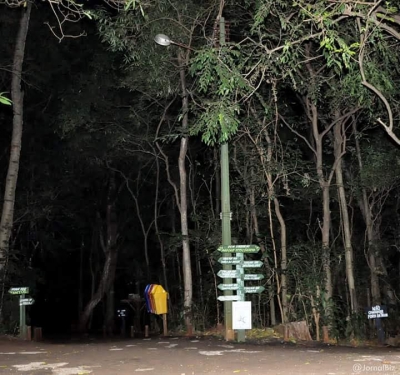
182	356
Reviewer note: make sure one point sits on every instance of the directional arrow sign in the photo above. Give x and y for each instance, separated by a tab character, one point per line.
228	274
253	289
26	301
228	298
253	277
228	287
21	290
239	249
252	263
229	260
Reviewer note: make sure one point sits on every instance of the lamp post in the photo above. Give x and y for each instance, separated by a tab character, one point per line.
164	40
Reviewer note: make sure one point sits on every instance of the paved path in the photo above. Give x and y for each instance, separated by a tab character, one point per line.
182	356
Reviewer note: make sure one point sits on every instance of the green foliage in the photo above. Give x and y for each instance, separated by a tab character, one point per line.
217	71
217	123
337	52
381	168
4	100
219	78
306	273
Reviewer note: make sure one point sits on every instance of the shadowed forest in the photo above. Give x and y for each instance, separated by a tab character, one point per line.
111	167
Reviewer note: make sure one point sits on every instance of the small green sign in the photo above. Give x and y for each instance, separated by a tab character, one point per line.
253	289
26	301
228	274
228	287
228	298
21	290
239	249
253	276
229	260
252	264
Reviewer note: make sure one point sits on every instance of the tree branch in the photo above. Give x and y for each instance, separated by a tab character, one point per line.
299	135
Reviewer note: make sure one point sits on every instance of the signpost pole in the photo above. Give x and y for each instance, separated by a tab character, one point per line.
381	334
226	213
241	337
227	274
23	302
22	318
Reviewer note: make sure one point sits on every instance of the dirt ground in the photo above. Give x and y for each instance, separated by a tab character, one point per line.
184	356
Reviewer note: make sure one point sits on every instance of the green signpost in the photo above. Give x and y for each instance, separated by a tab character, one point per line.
247	289
249	276
238	274
22	290
23	302
243	263
239	249
26	301
227	274
253	289
228	287
228	298
252	264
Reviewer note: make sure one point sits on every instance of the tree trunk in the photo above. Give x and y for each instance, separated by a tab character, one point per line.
250	189
186	261
266	162
110	251
106	280
156	214
367	215
109	316
271	294
17	96
325	186
324	182
145	231
283	237
326	261
339	148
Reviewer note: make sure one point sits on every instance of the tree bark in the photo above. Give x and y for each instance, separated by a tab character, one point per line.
339	149
271	294
266	162
106	280
109	315
110	251
283	237
17	97
250	189
325	186
186	260
324	182
156	215
366	211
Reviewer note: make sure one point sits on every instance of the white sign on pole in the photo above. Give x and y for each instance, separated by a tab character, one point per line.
376	312
241	315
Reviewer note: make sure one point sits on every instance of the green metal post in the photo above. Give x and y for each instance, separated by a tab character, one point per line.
226	236
22	318
226	213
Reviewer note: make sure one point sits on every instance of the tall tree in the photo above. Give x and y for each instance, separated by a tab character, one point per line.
339	146
108	235
17	97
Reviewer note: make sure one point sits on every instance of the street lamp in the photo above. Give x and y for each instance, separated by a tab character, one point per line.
164	40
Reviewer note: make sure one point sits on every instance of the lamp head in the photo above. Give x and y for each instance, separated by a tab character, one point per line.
162	40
